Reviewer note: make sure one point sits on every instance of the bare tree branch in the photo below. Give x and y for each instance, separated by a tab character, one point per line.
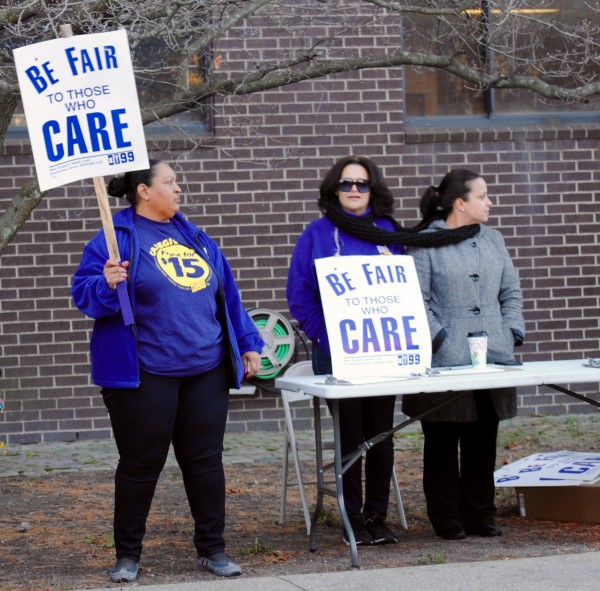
182	49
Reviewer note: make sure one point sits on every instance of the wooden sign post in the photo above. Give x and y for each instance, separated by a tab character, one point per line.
83	117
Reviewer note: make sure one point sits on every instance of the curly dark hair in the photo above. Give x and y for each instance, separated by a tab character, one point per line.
381	202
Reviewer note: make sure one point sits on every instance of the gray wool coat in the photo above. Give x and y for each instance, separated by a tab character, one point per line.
469	286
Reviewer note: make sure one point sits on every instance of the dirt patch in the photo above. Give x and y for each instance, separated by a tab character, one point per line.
55	530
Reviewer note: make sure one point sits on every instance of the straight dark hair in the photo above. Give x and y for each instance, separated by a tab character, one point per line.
127	184
436	202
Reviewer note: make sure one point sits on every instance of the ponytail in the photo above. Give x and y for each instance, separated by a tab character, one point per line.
437	202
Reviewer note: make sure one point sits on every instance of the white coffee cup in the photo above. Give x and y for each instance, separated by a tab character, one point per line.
478	349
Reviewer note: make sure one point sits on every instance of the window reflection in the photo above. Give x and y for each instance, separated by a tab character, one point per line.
516	40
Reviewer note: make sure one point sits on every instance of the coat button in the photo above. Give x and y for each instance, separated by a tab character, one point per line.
474	244
474	277
476	311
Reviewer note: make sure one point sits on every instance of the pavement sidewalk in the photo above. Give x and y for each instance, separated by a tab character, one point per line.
552	573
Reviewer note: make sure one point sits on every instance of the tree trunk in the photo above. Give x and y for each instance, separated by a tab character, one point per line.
25	202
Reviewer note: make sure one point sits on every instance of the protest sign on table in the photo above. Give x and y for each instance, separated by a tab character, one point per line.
375	316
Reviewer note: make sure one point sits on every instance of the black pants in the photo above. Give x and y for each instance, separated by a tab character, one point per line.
459	487
361	419
190	413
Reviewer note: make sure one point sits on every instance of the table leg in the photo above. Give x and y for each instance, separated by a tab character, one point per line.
338	466
320	474
339	484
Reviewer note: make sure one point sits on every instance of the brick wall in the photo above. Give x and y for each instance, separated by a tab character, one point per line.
253	187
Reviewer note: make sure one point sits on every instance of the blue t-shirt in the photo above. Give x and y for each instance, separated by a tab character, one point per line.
178	333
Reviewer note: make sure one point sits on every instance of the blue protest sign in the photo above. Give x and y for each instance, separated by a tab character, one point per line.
375	316
556	468
81	107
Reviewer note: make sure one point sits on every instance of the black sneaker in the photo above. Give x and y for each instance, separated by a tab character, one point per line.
380	532
487	530
361	534
453	533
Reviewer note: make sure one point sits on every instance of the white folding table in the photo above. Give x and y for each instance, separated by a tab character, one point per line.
537	373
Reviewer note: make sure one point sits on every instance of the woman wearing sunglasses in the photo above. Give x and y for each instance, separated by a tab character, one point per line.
357	207
353	187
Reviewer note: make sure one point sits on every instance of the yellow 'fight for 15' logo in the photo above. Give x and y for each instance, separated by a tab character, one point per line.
182	265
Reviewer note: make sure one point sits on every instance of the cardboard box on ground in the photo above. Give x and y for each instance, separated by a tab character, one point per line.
558	486
560	503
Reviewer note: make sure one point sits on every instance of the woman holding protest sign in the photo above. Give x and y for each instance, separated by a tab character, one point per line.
357	207
165	380
467	287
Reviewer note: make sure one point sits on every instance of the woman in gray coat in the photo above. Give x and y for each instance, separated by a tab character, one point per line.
469	286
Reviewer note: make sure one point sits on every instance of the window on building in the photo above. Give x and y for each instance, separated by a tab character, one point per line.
160	77
500	37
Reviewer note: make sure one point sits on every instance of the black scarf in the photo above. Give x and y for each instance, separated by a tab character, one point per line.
363	227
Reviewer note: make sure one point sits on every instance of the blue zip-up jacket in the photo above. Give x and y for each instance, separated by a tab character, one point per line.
321	239
113	347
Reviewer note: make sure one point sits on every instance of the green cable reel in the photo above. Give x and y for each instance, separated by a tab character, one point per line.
278	335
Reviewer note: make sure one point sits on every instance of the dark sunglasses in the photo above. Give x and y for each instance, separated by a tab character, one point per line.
362	186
